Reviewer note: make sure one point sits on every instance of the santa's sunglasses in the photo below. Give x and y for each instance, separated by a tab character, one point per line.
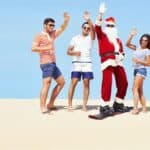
110	25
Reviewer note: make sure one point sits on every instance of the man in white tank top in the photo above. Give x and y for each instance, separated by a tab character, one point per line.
80	50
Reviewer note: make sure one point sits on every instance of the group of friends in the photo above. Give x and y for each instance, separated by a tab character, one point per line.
111	54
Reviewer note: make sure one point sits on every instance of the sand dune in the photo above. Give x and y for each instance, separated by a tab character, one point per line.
23	127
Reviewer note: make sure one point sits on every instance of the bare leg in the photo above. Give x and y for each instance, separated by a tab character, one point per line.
137	85
44	93
60	83
73	84
86	83
142	98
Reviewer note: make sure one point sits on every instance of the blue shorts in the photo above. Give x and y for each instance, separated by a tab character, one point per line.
140	72
50	70
84	75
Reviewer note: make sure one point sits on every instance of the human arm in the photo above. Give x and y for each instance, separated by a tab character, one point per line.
64	25
72	53
36	46
86	16
98	22
146	62
129	43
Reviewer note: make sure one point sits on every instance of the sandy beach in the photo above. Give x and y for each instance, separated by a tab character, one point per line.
23	127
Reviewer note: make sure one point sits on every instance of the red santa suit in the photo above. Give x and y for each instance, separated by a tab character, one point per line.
111	54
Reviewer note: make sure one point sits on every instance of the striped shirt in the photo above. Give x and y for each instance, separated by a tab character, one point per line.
44	39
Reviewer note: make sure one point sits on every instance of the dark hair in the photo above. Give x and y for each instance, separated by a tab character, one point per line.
84	24
47	20
148	38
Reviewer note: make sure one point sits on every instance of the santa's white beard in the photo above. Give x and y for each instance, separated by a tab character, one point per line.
111	33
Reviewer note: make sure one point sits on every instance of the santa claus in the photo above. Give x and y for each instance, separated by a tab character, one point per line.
111	54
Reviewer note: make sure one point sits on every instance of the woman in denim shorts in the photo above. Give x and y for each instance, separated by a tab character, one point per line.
141	59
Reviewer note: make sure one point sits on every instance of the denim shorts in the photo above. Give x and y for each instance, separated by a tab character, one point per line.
141	72
50	70
84	75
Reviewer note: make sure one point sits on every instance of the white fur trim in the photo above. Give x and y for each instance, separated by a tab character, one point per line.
119	100
110	62
103	103
98	22
120	57
110	22
115	43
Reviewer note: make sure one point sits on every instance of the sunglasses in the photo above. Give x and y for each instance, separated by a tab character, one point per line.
86	28
110	25
51	25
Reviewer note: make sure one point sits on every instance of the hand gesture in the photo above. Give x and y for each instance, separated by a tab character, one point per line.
133	32
78	53
135	60
86	16
66	16
102	8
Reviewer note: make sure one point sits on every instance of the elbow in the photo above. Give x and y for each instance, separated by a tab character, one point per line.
127	44
68	53
33	49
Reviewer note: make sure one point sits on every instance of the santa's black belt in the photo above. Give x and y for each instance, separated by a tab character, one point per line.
110	54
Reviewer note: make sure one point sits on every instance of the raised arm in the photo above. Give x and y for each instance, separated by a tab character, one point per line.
98	22
128	43
64	25
86	16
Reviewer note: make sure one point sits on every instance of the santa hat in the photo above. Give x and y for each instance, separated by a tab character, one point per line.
110	21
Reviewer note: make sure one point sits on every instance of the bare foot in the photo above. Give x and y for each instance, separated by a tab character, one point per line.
46	112
49	107
144	110
84	108
43	109
135	112
70	109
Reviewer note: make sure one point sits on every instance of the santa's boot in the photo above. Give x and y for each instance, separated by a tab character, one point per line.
106	111
120	108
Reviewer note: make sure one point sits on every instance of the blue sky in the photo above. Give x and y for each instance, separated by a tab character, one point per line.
22	19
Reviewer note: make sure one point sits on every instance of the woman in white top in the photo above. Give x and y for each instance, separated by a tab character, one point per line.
141	58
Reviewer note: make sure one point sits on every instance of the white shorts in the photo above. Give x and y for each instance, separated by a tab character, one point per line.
82	66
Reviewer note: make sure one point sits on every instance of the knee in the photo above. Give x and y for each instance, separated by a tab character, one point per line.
62	83
73	83
47	84
86	85
135	89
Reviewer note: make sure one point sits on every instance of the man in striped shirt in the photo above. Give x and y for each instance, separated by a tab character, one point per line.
44	44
